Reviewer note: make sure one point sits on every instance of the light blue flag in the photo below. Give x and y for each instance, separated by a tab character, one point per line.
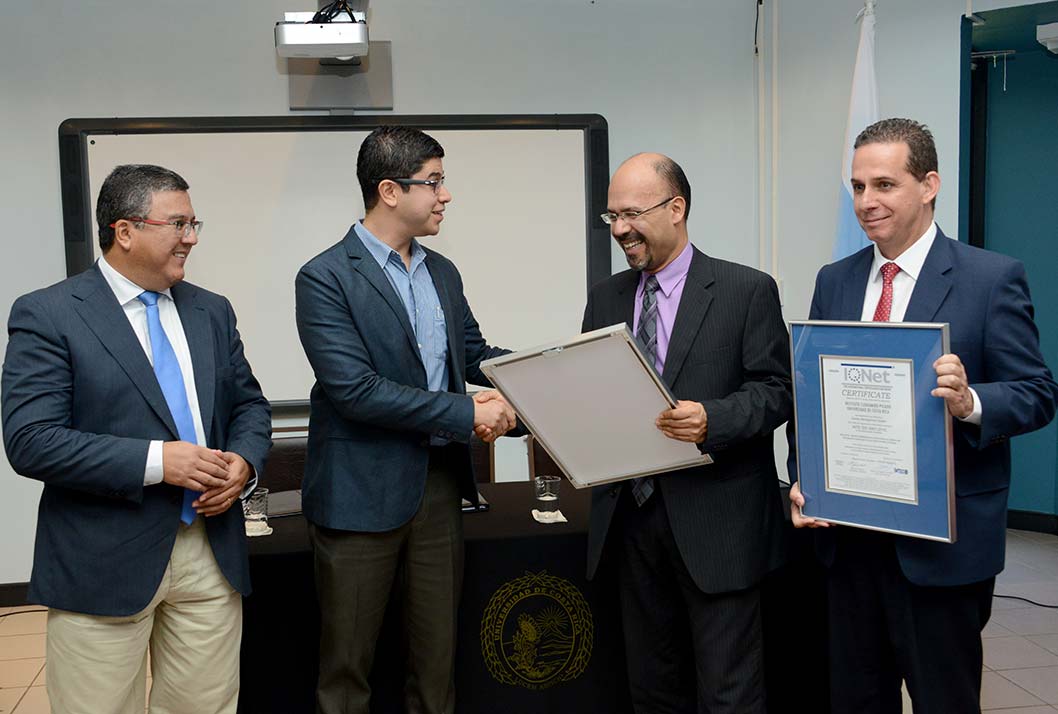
863	111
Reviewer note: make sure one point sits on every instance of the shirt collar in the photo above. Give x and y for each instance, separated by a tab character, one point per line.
911	260
124	289
671	275
382	253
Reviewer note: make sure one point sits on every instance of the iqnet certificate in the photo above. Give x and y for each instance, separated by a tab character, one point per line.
869	427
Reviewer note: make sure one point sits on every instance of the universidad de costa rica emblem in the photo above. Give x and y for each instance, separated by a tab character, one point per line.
537	632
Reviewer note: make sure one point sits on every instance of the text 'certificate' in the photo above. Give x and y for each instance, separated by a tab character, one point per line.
869	426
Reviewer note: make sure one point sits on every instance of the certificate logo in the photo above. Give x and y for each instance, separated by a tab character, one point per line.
537	632
859	374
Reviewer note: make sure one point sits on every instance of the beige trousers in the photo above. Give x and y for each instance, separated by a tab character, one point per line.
192	627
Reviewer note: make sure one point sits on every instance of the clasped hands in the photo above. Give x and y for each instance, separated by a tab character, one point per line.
219	476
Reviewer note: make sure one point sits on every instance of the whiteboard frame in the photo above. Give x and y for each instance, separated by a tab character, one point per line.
76	134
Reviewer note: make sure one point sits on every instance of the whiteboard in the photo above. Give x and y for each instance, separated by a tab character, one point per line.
592	401
519	227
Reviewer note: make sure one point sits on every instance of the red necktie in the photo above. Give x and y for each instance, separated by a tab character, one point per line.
885	302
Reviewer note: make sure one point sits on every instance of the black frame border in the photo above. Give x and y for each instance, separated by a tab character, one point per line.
75	134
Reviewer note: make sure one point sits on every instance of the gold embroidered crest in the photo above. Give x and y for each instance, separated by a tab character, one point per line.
536	632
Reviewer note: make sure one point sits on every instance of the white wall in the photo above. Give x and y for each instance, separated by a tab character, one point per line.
669	75
675	76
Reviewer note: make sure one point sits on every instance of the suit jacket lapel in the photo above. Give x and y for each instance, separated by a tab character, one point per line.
196	323
364	263
452	306
97	306
626	298
933	284
694	304
852	290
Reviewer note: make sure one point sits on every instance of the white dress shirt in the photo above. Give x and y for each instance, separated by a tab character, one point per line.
127	293
910	263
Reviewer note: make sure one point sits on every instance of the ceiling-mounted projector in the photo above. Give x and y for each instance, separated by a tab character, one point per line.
336	30
1047	35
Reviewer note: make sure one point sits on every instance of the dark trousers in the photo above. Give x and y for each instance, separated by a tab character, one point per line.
688	652
355	576
884	629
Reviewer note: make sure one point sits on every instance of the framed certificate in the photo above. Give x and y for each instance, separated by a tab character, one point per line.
591	402
874	447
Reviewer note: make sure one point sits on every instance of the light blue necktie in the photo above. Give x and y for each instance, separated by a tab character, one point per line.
171	380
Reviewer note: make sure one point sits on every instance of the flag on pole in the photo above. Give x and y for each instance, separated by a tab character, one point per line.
863	111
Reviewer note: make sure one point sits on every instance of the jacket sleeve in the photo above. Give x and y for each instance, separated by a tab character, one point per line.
250	424
1018	393
40	440
763	402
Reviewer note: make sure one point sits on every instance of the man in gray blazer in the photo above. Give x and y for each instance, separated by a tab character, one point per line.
126	392
691	546
392	342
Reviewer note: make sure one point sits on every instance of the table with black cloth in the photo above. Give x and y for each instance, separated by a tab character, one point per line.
534	636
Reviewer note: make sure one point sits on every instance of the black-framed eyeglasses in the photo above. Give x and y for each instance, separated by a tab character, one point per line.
180	225
435	184
609	218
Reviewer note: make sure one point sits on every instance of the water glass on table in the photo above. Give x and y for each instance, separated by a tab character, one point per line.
547	492
255	511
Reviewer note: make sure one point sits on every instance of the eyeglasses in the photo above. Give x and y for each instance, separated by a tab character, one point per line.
179	225
435	184
609	218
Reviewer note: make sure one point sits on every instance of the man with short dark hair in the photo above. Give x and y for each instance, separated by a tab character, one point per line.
692	546
126	392
392	342
902	608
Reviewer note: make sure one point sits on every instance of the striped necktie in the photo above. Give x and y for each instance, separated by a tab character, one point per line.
647	336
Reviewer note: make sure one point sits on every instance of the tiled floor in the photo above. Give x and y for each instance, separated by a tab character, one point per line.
1021	641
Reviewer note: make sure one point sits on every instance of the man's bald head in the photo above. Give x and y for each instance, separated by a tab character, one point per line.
664	169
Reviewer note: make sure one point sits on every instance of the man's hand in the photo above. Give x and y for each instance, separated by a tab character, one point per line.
687	421
800	520
217	500
192	466
493	415
952	386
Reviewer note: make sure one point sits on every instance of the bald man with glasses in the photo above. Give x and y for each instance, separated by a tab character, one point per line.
692	546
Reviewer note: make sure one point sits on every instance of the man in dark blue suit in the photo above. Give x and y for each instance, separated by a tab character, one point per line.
901	608
392	342
126	392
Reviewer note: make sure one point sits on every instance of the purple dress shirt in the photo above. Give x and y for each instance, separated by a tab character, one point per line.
671	280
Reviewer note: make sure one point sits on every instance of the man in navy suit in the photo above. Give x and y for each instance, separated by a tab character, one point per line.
126	392
392	342
901	608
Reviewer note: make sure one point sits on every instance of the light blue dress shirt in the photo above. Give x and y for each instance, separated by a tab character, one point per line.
417	292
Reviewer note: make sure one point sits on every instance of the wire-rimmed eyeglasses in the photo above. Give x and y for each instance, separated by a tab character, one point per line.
179	225
609	218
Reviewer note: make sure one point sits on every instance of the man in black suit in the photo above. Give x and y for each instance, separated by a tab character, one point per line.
126	392
691	546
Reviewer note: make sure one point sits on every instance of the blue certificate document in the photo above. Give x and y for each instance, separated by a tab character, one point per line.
873	446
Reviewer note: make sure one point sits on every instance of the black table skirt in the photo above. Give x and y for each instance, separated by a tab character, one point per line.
534	635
